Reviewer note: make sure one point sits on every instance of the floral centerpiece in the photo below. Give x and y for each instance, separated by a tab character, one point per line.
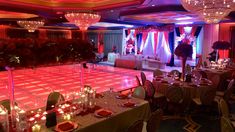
220	45
184	50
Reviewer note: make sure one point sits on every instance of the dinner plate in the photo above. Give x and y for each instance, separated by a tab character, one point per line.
128	104
103	113
122	96
68	126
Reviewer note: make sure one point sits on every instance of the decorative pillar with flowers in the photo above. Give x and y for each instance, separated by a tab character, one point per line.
184	50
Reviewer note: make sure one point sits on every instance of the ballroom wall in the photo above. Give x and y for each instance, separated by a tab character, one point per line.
211	34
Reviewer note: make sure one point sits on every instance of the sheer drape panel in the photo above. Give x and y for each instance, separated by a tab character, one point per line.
111	39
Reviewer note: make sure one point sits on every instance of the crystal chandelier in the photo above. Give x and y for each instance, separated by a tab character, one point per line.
82	20
212	11
31	26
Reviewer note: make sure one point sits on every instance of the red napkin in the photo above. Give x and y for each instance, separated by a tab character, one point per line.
99	95
104	113
122	96
66	126
129	104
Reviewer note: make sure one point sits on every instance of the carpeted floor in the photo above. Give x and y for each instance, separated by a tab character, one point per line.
190	123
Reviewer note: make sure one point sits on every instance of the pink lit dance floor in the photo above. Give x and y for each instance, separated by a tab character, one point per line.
32	86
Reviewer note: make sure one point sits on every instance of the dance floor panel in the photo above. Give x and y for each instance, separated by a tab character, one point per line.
32	86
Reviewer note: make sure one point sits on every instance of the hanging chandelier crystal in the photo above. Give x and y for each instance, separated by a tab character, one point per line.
31	26
212	11
82	20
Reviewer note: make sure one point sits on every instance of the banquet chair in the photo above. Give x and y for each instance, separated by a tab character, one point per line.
154	121
203	74
137	126
6	104
223	108
226	125
139	92
149	88
157	72
205	64
228	92
53	99
138	81
174	98
206	97
175	71
207	101
143	77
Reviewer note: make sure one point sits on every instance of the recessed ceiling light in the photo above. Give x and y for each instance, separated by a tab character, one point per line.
153	5
183	23
183	18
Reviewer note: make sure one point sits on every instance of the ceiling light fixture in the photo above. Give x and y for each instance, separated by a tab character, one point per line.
31	26
212	11
82	20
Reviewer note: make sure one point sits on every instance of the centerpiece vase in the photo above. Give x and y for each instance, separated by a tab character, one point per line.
183	61
11	92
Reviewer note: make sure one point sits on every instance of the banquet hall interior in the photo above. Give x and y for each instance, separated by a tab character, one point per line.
117	65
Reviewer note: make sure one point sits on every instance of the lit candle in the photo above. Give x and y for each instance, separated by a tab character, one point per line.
37	115
43	118
67	117
31	119
36	128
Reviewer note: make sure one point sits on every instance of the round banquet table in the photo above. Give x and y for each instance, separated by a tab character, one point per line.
218	77
162	84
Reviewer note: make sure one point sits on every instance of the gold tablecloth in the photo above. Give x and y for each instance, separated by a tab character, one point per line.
121	119
218	77
189	90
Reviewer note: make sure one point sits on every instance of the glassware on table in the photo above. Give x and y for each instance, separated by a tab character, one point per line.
4	123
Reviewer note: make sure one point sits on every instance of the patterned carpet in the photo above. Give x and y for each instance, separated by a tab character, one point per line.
190	123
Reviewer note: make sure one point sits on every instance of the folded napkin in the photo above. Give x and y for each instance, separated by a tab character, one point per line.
66	126
88	111
129	104
122	96
98	95
104	113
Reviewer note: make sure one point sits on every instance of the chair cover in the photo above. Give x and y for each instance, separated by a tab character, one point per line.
157	72
6	104
154	121
138	81
207	96
226	125
228	93
149	88
175	94
136	126
223	107
53	99
175	71
139	92
143	77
